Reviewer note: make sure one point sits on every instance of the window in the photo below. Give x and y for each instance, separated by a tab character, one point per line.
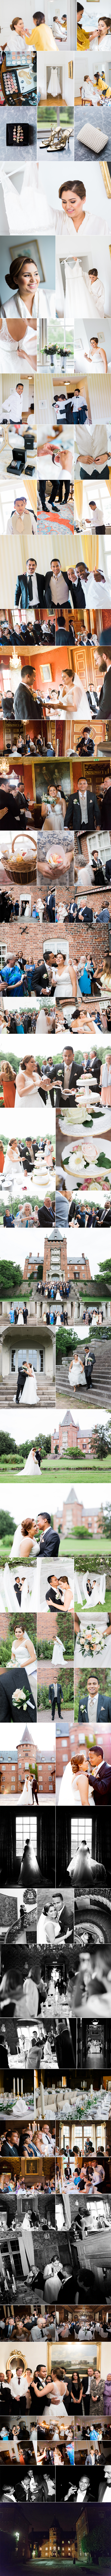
25	1828
103	844
66	2135
12	1362
81	1832
27	1354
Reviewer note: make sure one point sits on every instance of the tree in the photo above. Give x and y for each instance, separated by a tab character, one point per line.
98	1287
65	1630
7	1526
104	1440
33	1768
7	1446
17	1458
10	1279
64	1342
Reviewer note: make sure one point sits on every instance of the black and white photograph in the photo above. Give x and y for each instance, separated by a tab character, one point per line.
55	1292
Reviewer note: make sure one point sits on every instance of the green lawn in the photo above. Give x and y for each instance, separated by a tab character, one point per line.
107	1592
83	1543
69	1468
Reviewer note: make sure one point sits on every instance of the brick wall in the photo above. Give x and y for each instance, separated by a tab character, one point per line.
46	1778
4	1623
45	1675
19	1767
29	943
86	941
53	1443
84	846
70	1438
6	1770
63	1259
81	1270
75	1440
47	1625
47	1260
28	1268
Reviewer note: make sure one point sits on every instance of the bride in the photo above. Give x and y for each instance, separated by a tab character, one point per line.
27	1392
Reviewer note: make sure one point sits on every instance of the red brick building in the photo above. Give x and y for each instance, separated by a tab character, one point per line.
55	1260
15	1766
46	1775
81	1269
70	1437
30	1266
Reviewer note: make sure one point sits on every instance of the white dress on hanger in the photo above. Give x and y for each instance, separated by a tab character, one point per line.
79	297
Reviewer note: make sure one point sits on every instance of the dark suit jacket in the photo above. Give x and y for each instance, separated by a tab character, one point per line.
105	695
87	913
93	810
21	592
103	1708
46	594
102	1786
72	811
79	594
49	1545
72	1076
106	814
51	1696
15	1678
25	704
73	815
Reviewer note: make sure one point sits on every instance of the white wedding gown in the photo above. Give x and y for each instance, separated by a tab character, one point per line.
76	1375
25	1795
78	295
29	1391
31	1462
97	1592
58	1656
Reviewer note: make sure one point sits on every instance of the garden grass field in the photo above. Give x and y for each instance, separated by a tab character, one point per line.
85	1545
72	1466
86	1605
107	1603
